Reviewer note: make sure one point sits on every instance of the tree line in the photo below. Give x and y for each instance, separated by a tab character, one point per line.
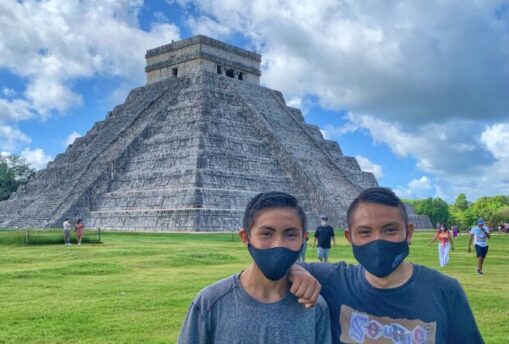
494	210
14	171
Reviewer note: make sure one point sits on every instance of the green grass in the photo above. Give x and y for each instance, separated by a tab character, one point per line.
137	287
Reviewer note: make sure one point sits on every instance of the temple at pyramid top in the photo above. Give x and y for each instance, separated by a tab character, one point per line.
188	150
201	53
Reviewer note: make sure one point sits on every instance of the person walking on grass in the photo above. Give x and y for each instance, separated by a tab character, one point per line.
255	306
323	234
479	235
67	232
445	244
455	231
79	229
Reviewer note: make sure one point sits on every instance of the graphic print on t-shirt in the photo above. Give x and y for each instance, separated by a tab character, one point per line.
360	327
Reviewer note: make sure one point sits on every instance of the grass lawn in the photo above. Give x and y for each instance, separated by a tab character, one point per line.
137	287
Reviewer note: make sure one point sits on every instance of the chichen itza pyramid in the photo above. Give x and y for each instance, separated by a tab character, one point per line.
187	151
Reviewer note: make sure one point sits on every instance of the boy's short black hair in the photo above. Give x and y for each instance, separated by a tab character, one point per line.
267	200
377	195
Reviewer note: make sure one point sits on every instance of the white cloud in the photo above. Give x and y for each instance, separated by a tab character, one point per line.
11	138
35	158
15	110
448	149
70	139
208	26
295	102
51	45
301	103
409	62
496	139
368	166
330	131
417	188
9	92
58	42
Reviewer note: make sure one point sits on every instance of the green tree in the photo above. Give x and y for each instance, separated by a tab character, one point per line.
14	171
440	211
461	202
488	208
436	208
501	216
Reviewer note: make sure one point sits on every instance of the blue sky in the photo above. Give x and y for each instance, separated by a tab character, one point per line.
418	91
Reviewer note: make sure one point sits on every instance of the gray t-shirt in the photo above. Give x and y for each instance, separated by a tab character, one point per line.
225	313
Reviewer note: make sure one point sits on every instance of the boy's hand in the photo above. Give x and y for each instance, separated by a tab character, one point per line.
304	286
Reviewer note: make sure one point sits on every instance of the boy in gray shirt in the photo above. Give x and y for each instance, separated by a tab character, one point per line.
255	306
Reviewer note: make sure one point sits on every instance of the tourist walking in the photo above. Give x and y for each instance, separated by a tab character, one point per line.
323	235
67	232
445	244
480	235
80	229
455	231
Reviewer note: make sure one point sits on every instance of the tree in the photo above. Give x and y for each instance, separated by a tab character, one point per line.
436	208
488	208
459	212
501	216
461	202
14	171
440	211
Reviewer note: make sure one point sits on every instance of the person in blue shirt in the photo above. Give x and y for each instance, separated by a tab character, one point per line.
386	299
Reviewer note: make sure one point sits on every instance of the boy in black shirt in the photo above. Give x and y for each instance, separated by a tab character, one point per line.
386	299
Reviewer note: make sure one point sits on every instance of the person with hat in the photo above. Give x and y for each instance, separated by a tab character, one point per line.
323	234
479	235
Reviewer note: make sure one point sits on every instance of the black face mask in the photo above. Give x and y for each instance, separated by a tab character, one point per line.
274	262
381	257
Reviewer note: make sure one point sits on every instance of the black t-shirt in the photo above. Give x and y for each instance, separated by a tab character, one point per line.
324	235
429	308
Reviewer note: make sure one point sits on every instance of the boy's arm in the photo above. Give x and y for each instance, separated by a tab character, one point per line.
194	329
304	286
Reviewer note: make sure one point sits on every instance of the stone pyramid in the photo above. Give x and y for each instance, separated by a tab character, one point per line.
188	150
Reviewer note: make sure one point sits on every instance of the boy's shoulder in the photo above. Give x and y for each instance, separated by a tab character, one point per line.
436	279
215	292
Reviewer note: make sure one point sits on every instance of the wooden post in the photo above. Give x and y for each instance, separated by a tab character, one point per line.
99	230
